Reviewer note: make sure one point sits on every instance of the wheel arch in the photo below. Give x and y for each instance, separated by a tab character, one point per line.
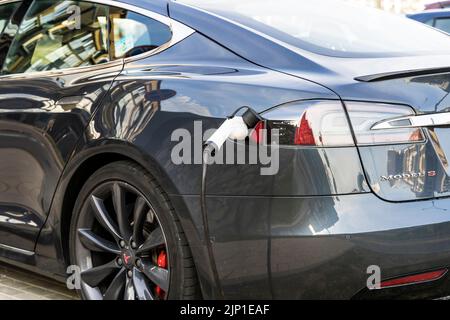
53	242
85	162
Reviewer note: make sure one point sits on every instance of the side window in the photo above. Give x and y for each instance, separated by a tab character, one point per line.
133	34
6	11
58	35
6	36
443	24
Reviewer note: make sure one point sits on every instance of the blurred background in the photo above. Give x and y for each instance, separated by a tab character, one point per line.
398	6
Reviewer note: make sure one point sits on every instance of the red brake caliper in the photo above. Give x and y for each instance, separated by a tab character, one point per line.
162	263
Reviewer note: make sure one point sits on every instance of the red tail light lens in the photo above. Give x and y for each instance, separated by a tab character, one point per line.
414	279
303	134
364	116
257	135
325	124
310	124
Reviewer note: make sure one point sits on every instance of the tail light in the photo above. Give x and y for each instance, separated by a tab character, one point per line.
414	279
257	134
308	123
324	123
363	116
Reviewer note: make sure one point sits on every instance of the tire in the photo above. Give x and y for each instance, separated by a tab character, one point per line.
97	234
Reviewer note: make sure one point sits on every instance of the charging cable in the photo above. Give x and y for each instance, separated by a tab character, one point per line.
235	128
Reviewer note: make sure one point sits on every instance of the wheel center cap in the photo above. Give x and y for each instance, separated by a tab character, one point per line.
128	258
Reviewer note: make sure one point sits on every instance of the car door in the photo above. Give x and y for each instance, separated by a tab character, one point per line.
57	71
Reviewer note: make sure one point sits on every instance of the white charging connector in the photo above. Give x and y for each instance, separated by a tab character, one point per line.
234	128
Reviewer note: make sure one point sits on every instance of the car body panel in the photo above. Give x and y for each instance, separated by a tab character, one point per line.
426	94
243	42
308	232
395	237
157	6
321	247
42	116
160	94
38	132
296	61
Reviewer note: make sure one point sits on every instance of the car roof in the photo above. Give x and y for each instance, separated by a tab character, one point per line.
158	6
240	40
273	54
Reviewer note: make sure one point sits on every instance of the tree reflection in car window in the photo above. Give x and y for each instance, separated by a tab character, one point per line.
6	10
7	29
50	39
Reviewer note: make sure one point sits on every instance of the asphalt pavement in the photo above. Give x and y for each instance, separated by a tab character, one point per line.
18	284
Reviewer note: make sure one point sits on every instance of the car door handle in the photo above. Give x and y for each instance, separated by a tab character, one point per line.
421	121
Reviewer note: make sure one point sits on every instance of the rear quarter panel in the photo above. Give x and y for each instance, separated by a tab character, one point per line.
198	80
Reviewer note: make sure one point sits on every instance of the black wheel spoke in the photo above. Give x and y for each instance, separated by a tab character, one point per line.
154	240
140	287
96	243
103	217
158	276
118	196
121	245
116	288
93	277
140	211
129	290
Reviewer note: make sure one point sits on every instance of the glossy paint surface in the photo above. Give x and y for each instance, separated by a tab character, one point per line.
154	97
41	120
425	94
321	247
310	231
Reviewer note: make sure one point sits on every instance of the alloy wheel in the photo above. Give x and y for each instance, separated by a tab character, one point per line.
121	247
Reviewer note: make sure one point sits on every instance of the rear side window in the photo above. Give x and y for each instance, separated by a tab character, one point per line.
6	12
57	35
133	34
443	24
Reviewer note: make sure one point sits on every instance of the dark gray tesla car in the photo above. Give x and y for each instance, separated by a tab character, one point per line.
97	184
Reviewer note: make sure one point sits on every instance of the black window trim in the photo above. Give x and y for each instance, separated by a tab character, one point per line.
179	33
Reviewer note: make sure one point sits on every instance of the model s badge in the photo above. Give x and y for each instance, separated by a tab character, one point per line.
405	176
